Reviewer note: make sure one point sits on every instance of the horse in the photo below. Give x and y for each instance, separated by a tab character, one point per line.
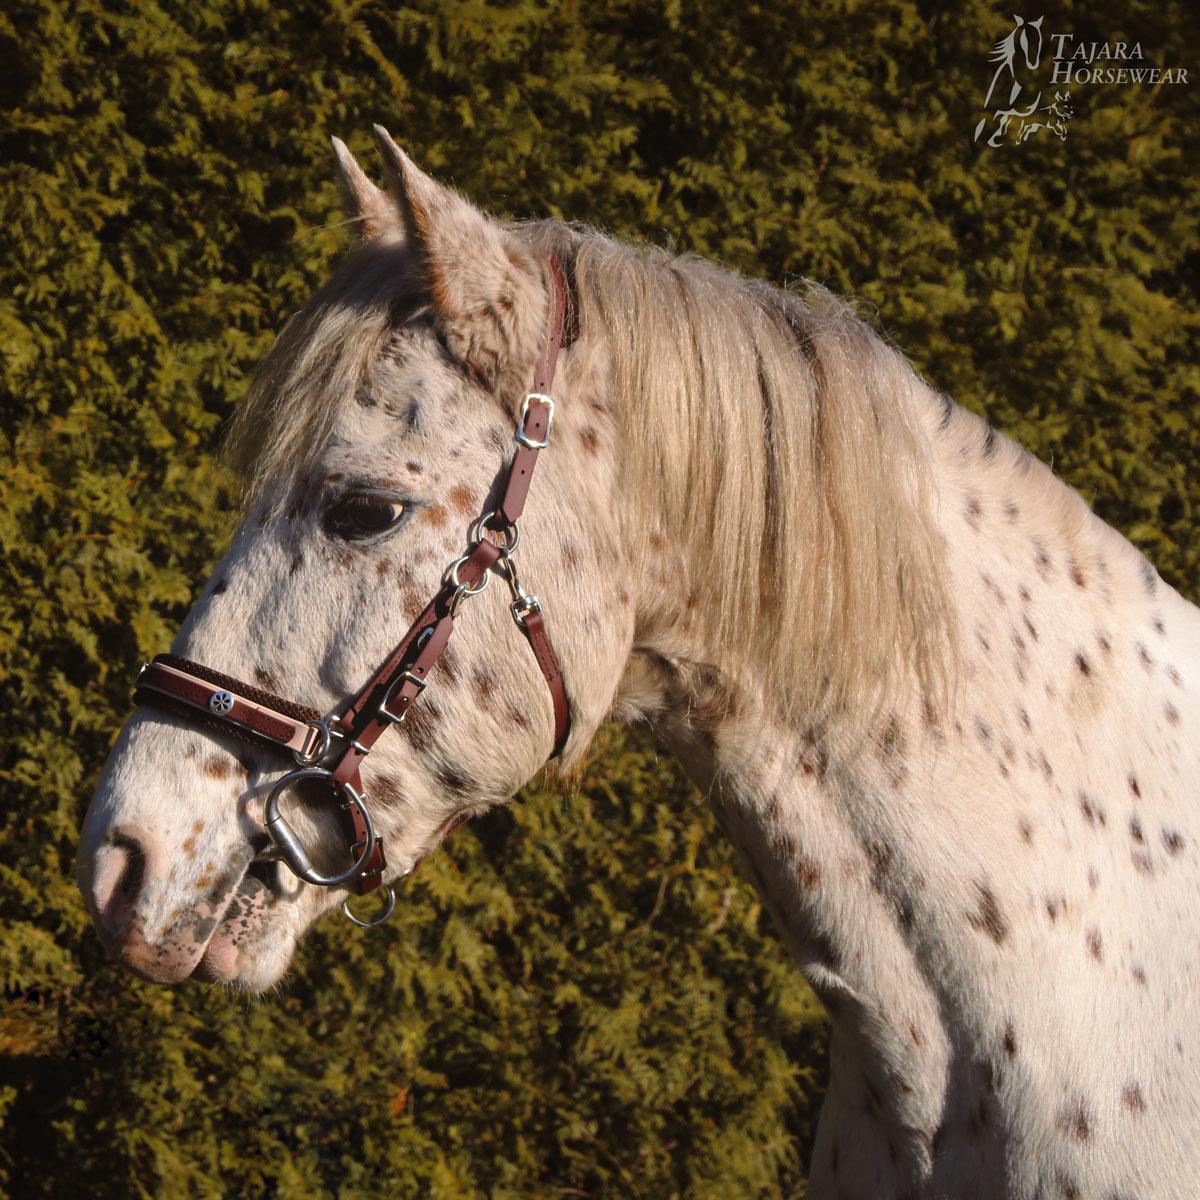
946	714
1004	54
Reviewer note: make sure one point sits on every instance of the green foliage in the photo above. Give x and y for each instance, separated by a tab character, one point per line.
582	997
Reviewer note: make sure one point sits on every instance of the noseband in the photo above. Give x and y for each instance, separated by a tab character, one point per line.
329	750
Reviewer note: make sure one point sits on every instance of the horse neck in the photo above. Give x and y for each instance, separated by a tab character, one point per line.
886	860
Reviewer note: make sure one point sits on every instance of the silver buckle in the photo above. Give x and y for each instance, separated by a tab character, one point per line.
407	677
523	605
521	436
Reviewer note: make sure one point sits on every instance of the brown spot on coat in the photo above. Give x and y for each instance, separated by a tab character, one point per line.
1095	945
1132	1098
217	766
435	515
988	918
453	780
589	440
1135	787
462	501
1067	1187
449	667
1010	1040
1173	841
808	874
422	721
265	679
483	682
1073	1120
386	788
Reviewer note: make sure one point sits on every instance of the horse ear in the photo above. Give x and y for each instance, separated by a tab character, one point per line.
370	208
475	270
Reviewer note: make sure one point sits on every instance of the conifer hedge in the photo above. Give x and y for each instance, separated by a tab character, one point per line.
581	996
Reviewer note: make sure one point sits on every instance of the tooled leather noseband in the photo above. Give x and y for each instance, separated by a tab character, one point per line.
331	749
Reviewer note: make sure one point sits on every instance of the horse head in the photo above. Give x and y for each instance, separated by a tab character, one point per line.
375	440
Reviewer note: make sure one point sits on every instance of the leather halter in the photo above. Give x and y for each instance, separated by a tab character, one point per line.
331	749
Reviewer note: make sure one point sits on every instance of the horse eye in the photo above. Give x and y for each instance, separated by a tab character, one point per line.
359	515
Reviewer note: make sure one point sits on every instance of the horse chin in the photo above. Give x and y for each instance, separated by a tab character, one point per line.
244	951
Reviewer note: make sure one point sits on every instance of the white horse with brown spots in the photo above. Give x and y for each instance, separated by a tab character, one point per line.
948	716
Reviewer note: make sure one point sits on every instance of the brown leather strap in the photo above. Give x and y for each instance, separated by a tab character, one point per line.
533	625
479	562
536	414
221	697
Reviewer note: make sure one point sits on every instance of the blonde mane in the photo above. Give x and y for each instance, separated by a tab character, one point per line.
776	438
773	436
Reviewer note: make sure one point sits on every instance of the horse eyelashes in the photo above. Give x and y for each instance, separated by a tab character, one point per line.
359	515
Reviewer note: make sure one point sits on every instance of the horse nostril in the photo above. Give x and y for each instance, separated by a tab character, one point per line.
118	873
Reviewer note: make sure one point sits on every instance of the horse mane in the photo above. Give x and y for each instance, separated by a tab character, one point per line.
777	439
772	435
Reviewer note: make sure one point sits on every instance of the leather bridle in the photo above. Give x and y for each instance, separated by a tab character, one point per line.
330	749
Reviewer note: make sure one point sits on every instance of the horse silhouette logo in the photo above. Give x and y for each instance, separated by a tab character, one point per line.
1018	56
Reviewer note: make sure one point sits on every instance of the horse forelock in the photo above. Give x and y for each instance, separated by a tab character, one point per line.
315	369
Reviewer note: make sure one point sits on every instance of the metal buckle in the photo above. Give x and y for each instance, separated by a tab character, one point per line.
523	605
292	852
314	750
521	435
406	677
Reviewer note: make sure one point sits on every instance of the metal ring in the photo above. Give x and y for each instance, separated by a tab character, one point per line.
388	909
510	528
465	588
291	850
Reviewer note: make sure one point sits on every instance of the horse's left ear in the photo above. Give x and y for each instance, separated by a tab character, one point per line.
481	279
374	212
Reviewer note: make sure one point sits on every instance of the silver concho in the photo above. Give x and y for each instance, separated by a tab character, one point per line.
220	702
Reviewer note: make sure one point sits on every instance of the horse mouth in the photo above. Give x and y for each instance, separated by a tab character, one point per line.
236	935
